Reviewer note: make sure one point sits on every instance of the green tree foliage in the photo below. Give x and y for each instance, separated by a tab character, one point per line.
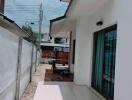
33	35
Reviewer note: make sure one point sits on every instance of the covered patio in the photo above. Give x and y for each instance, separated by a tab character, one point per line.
54	90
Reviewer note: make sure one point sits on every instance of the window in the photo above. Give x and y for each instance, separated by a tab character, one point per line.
104	61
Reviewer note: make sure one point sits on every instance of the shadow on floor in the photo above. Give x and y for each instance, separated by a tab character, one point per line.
50	76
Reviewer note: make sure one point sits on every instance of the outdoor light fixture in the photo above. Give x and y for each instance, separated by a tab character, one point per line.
100	23
32	23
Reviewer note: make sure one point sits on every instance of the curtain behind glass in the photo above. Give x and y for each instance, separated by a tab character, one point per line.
99	62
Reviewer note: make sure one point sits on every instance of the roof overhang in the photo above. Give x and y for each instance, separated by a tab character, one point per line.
54	45
65	0
76	9
57	24
63	28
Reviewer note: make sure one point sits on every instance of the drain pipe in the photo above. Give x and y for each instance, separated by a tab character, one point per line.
18	78
31	68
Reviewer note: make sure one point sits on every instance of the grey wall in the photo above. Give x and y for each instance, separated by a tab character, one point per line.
25	65
8	64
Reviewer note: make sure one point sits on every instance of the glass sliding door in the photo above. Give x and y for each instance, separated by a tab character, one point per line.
104	61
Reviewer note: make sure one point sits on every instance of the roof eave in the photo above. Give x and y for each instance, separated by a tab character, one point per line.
64	1
61	17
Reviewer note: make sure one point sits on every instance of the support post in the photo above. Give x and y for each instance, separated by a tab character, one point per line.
18	78
31	68
70	52
36	60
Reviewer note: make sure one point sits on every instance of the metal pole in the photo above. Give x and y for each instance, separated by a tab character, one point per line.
31	69
17	94
40	20
40	27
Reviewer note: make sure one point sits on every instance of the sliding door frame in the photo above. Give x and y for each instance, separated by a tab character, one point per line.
104	31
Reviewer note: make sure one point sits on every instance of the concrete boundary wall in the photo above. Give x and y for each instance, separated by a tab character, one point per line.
9	43
25	65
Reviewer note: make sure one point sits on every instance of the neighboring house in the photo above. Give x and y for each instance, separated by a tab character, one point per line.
103	50
53	46
61	41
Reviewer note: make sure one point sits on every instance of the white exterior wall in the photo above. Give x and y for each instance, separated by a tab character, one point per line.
115	11
82	53
8	64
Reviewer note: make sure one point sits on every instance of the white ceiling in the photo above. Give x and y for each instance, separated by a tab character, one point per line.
85	7
62	28
61	34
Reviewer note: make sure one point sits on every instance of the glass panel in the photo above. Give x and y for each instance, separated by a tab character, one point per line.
109	63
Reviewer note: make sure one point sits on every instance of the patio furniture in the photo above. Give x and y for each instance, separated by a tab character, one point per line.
60	68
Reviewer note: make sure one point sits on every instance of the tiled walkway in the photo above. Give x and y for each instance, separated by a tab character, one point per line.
55	90
63	91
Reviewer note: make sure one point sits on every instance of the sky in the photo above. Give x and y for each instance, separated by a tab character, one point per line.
24	12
